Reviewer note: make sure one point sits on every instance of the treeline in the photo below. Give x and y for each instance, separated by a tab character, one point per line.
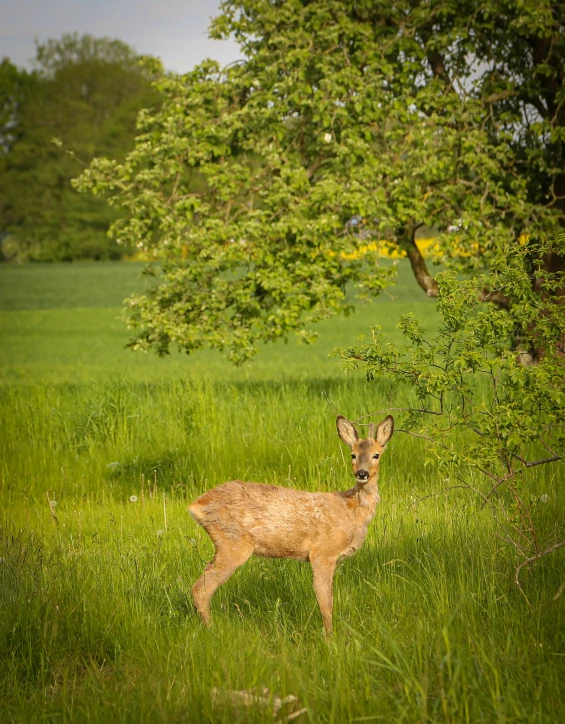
81	100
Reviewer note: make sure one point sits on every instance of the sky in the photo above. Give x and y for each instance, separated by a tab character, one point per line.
173	30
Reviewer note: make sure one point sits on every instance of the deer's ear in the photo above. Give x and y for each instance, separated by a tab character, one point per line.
346	431
385	430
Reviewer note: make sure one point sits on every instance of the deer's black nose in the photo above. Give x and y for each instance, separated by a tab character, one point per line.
362	475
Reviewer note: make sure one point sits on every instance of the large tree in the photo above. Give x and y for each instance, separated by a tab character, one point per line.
87	93
350	123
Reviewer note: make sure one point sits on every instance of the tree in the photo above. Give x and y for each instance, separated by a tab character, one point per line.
483	418
15	86
348	122
86	92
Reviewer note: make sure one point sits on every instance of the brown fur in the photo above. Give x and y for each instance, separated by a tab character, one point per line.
243	519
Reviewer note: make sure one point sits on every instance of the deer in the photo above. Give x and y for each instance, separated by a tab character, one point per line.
245	519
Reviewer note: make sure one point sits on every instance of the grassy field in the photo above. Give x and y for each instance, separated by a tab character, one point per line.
61	324
96	621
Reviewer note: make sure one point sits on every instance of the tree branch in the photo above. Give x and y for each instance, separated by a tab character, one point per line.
435	58
501	96
397	409
418	263
424	437
544	461
496	297
437	65
531	560
311	170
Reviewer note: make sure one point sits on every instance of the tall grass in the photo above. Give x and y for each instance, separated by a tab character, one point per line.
96	621
98	552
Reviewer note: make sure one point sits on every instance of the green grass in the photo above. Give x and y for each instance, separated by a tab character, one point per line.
96	622
61	325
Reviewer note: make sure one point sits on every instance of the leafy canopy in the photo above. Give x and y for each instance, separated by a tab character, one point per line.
256	187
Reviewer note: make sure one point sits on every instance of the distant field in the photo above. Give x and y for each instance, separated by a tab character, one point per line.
101	449
60	323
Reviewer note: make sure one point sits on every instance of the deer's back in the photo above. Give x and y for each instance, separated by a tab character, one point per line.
279	522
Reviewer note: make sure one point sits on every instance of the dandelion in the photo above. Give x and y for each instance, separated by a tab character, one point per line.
328	137
160	532
133	498
52	503
543	498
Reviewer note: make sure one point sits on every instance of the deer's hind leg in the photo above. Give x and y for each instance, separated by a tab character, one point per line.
228	558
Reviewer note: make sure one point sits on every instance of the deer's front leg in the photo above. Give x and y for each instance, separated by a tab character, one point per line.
323	570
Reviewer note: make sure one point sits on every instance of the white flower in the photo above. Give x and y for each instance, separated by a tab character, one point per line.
543	498
256	83
133	498
328	137
160	532
52	503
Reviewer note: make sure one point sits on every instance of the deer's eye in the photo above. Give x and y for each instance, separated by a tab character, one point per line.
376	456
353	456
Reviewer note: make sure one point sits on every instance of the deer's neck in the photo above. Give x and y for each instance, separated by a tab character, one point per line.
368	494
365	498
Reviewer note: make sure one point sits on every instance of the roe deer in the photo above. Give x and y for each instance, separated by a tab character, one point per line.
246	518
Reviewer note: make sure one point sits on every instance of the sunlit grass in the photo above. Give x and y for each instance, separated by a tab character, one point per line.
96	621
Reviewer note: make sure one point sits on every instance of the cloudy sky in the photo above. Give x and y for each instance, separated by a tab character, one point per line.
174	30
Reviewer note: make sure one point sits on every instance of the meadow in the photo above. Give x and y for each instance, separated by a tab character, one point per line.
101	450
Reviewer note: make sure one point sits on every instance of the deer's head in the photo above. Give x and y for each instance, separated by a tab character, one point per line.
365	454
